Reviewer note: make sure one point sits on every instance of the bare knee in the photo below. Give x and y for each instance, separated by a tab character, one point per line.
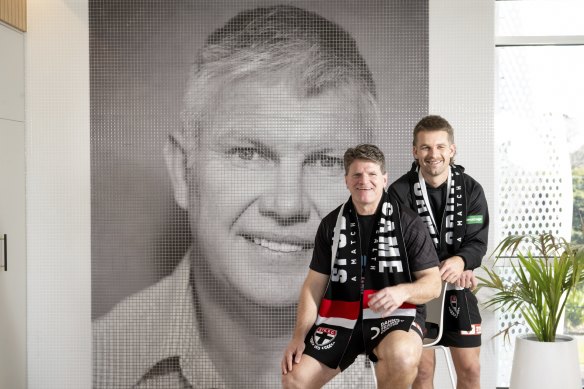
399	359
297	379
469	370
426	367
308	374
395	371
405	361
291	381
468	367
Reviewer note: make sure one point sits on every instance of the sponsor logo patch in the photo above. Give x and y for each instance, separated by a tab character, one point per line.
385	326
474	219
474	330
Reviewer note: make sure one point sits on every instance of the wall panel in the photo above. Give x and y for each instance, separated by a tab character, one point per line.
13	13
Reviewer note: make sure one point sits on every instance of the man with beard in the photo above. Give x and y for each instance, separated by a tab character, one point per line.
454	208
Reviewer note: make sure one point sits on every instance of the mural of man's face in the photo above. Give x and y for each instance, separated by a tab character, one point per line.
266	170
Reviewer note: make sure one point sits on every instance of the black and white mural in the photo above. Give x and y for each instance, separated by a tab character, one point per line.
217	135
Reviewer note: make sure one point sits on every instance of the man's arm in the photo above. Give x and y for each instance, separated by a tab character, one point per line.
427	286
474	243
475	240
452	269
423	261
400	190
467	280
310	295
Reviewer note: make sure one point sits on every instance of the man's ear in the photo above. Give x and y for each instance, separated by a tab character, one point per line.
176	163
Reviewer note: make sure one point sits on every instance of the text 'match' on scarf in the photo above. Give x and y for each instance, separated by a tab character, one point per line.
343	302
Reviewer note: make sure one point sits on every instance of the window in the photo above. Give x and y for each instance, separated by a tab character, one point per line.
539	127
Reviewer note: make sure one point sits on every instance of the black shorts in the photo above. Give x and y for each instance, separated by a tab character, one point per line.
356	345
452	337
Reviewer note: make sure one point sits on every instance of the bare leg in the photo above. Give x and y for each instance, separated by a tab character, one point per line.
399	354
468	367
425	378
308	374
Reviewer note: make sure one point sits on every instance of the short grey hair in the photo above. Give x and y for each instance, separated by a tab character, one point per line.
311	53
365	152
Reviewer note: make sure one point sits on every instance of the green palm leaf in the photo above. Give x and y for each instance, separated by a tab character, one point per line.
546	269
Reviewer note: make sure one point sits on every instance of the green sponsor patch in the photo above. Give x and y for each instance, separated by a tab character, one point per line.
474	219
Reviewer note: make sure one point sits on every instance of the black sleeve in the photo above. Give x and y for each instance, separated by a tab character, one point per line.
420	249
400	191
321	255
476	237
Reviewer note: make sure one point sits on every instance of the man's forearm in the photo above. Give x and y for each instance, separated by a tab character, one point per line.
305	318
426	287
308	304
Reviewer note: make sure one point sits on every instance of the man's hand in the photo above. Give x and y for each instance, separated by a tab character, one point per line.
387	300
467	280
292	354
451	269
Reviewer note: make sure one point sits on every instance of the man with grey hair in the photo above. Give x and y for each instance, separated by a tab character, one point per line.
274	98
373	268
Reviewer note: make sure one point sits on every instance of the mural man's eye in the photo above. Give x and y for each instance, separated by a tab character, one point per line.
246	153
324	161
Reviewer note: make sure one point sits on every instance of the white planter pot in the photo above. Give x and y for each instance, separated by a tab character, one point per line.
545	365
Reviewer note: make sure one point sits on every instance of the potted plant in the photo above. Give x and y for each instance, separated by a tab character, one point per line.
546	269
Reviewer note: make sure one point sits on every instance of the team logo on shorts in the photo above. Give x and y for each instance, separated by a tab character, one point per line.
454	309
323	338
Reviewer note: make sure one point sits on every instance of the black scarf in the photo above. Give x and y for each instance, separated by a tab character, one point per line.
344	303
453	227
453	223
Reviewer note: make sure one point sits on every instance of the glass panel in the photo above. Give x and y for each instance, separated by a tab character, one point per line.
540	145
539	17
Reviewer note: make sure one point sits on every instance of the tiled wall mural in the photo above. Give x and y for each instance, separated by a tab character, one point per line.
217	135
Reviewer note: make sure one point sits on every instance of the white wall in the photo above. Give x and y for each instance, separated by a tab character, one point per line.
462	81
58	202
12	211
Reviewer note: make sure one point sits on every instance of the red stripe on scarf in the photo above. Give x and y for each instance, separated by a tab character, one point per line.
345	309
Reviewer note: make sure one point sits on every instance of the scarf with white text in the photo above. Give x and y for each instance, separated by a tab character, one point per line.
346	299
453	227
453	223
